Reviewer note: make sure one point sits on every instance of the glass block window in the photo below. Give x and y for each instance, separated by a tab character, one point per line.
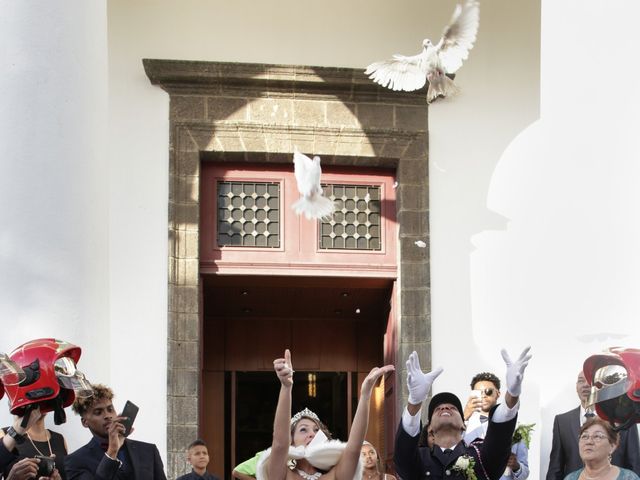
356	222
248	214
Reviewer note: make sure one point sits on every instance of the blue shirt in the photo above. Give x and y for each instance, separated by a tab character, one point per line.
522	454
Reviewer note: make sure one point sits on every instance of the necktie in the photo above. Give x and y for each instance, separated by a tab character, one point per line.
484	418
447	451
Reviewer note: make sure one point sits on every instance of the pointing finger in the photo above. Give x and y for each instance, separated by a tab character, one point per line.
287	357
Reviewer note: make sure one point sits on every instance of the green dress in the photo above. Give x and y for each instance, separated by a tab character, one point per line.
623	475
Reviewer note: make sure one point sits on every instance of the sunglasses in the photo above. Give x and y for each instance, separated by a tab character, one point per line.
487	392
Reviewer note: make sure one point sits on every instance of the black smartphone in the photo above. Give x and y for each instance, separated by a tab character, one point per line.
130	411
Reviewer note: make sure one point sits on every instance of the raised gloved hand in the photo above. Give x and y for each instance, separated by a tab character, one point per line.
419	383
515	370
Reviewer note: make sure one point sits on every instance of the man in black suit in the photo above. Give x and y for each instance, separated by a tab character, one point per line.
109	455
565	457
450	457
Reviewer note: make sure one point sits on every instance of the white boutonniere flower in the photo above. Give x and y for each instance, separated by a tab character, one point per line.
464	465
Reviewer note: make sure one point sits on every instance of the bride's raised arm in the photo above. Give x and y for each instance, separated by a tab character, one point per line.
346	467
277	467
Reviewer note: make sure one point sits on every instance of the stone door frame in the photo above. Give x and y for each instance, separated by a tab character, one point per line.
255	112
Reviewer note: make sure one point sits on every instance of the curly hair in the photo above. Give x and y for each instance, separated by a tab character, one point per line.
100	392
485	377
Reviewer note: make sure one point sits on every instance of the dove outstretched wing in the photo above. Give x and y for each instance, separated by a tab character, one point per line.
459	36
400	72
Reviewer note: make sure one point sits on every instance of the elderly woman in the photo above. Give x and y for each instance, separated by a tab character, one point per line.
596	443
301	448
371	464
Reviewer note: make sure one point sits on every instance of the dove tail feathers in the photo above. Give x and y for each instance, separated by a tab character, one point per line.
315	206
441	85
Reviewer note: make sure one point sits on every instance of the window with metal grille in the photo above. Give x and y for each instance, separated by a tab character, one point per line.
355	225
249	214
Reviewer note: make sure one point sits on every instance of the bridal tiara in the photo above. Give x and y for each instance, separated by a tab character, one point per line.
304	413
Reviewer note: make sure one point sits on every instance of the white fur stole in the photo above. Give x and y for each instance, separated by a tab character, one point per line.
323	456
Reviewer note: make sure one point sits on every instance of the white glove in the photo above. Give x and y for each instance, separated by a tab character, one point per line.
515	370
419	383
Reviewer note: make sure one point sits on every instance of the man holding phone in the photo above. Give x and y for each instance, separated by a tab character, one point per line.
109	454
485	392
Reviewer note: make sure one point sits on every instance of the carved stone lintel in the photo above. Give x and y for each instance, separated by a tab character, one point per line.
181	76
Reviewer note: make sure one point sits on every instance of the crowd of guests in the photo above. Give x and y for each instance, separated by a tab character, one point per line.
108	455
478	441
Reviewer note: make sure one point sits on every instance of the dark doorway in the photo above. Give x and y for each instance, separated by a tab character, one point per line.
324	393
335	329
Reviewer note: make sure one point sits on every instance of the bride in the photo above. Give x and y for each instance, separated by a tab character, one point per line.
301	449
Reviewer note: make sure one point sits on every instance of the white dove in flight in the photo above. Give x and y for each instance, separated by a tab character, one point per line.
435	61
312	203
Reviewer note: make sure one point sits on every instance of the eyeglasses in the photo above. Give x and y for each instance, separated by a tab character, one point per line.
596	437
487	392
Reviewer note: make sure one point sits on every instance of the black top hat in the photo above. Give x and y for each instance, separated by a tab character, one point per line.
445	397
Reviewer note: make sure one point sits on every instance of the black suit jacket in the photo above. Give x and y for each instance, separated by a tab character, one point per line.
490	455
6	456
90	462
565	456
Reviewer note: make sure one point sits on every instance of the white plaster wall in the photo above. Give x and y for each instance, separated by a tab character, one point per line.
500	98
138	175
553	261
533	229
53	189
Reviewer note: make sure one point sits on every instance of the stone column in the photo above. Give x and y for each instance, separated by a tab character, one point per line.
53	181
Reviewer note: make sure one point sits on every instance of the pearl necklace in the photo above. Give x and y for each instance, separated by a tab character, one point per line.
308	476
